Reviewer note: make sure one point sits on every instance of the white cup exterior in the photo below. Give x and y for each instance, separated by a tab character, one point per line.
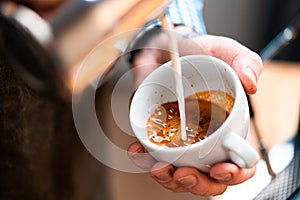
200	73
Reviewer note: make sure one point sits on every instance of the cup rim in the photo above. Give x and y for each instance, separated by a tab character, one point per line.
237	92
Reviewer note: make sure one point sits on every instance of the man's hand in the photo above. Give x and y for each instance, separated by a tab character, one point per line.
246	63
188	179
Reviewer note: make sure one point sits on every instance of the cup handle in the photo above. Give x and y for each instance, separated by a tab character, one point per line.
240	151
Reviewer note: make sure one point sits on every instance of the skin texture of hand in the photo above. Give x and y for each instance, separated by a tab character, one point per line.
246	63
188	179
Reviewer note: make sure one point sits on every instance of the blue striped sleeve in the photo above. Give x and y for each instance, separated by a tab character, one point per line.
186	12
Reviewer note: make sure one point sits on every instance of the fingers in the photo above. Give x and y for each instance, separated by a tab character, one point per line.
140	157
247	64
198	183
186	179
230	174
163	174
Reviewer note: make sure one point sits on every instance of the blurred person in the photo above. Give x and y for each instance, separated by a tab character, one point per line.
39	144
41	154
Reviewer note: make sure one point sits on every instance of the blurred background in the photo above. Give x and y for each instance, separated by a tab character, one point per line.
253	23
42	156
276	105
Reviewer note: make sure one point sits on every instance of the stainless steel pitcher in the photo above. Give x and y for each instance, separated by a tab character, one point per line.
47	53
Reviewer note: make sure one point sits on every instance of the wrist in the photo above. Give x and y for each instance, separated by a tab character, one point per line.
187	32
183	29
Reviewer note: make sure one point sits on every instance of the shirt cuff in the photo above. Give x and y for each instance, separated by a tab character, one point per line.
185	12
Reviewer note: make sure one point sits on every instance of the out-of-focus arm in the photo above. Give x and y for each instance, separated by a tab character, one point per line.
185	12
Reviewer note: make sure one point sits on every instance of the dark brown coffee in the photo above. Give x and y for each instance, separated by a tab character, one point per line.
205	112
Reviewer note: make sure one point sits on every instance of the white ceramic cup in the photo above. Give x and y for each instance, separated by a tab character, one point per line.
200	73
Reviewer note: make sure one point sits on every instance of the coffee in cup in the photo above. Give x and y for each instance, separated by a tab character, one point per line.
203	117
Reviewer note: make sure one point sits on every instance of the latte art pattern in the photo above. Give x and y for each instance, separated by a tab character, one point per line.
203	117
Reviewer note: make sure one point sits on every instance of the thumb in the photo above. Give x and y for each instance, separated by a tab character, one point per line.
246	63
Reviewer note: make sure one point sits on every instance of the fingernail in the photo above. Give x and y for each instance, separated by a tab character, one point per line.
188	181
165	177
223	177
137	148
137	153
251	74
